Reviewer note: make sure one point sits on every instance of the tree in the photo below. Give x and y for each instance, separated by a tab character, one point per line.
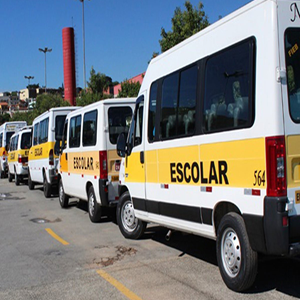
98	82
184	24
46	101
4	118
129	89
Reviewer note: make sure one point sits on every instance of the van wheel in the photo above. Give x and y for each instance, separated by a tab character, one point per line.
47	187
2	175
30	182
63	198
17	179
236	259
93	206
130	226
10	177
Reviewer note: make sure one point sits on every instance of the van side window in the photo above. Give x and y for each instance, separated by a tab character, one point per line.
1	138
152	112
89	136
43	132
169	106
119	119
35	134
74	133
187	101
228	89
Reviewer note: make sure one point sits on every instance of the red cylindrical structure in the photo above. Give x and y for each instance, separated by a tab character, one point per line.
69	65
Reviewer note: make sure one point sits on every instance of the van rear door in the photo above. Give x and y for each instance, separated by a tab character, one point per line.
288	73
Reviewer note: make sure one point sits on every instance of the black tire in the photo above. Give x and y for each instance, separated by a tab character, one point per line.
94	208
47	187
30	182
10	177
63	198
17	178
2	174
129	225
236	259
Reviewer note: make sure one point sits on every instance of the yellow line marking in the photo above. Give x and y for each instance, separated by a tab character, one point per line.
54	235
124	290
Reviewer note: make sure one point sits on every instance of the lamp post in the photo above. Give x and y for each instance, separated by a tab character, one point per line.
83	40
29	77
45	50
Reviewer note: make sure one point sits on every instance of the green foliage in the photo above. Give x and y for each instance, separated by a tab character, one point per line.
46	101
87	98
4	118
129	89
25	116
43	103
184	24
98	82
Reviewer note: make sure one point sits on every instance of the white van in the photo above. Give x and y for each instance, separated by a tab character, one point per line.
43	155
89	164
213	147
6	131
18	152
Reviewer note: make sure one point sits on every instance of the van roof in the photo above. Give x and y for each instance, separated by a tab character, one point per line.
173	51
104	102
55	109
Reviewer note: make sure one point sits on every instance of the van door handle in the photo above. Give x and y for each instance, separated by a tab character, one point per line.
142	157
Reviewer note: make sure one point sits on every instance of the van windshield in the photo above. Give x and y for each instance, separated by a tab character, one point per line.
26	140
292	56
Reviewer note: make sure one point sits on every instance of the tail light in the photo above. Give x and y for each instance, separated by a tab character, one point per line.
103	164
276	166
22	159
51	158
3	155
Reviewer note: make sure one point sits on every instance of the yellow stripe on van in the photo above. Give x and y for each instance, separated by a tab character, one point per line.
41	151
13	155
234	164
84	163
293	161
2	149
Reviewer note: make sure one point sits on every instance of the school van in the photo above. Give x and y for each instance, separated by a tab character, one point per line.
6	131
18	152
89	164
214	144
43	155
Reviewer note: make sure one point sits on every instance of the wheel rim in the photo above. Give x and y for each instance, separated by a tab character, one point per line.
60	193
91	204
128	218
231	252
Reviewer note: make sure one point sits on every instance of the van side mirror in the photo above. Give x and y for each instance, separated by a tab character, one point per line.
7	147
121	145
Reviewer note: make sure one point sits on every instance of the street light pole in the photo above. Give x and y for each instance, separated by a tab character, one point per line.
45	50
29	77
83	40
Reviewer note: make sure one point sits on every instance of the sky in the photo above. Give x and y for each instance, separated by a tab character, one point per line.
120	36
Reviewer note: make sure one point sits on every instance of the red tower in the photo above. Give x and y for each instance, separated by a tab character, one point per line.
69	65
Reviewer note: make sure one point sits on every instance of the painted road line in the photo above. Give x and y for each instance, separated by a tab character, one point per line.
124	290
55	236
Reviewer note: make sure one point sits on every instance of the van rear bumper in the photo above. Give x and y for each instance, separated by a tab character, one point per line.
275	233
103	191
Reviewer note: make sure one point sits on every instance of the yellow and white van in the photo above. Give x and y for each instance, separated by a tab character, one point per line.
6	131
19	146
43	155
89	164
214	144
